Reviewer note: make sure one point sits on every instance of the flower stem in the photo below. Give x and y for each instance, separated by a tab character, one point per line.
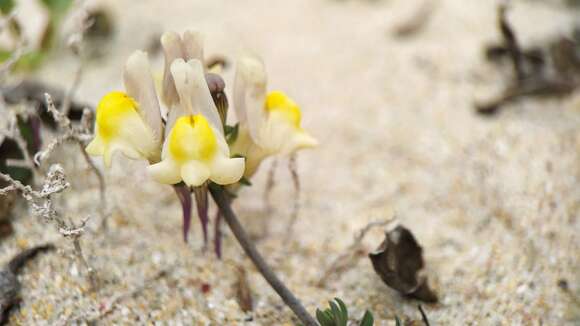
221	198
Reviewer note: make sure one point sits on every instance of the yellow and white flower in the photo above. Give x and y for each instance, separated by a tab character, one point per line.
270	123
192	148
195	149
130	122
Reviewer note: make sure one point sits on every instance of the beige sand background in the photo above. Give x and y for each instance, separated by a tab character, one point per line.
494	202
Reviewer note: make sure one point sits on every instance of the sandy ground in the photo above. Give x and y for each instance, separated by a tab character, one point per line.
494	202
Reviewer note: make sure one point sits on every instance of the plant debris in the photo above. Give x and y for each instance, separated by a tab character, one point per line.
9	283
33	91
399	263
547	70
352	254
417	21
424	316
243	290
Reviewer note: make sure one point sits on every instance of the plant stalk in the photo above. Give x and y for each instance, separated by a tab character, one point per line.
221	198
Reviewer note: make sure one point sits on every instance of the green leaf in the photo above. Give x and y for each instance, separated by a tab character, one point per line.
323	318
368	319
245	182
231	133
6	6
337	313
344	310
57	7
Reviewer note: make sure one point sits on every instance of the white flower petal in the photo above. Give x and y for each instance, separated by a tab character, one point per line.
166	172
192	45
140	86
172	49
250	94
194	94
127	150
225	170
299	140
202	100
136	134
194	173
181	73
96	147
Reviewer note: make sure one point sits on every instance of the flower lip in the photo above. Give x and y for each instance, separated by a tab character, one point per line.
278	102
195	152
192	138
120	127
113	107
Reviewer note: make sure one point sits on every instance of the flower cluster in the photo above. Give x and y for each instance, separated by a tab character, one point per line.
183	136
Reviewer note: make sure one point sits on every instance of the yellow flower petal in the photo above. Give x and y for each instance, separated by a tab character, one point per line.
282	132
278	102
192	139
272	121
120	127
194	152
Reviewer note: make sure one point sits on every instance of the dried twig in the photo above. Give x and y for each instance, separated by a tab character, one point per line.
351	255
292	166
550	70
511	42
88	268
79	134
75	43
424	316
42	207
270	184
268	189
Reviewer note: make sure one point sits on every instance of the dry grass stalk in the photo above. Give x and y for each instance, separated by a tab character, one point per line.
351	256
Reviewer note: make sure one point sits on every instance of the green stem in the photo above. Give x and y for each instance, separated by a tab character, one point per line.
221	198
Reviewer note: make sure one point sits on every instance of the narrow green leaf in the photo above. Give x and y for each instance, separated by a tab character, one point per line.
323	318
344	310
337	314
368	319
